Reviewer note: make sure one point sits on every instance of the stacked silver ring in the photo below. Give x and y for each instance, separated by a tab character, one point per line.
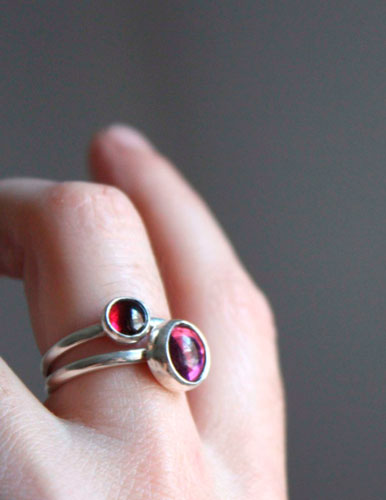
176	351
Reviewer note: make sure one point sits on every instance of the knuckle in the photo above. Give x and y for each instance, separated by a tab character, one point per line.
241	301
263	308
80	206
74	197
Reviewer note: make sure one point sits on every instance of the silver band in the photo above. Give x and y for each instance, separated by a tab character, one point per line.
75	339
176	351
67	343
93	363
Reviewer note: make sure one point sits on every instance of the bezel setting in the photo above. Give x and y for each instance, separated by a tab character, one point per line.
160	361
121	337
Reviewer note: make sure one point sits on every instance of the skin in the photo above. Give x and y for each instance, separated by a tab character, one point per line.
137	230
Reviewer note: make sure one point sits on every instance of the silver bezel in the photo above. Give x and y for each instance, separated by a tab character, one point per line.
158	357
121	337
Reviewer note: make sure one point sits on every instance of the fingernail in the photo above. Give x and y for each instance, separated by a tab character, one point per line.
128	137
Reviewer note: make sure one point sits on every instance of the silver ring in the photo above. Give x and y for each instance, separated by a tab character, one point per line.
176	351
125	320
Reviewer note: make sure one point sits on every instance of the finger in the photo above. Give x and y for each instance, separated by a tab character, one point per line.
241	402
26	432
43	457
77	245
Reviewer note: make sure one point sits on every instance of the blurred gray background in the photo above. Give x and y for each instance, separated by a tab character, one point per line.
276	112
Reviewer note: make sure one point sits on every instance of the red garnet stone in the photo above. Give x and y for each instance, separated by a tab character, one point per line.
126	317
187	352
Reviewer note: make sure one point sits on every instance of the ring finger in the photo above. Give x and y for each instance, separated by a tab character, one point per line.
77	245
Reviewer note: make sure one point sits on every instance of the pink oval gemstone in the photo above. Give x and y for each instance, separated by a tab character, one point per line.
126	317
187	352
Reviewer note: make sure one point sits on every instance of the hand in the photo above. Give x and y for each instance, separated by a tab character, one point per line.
118	433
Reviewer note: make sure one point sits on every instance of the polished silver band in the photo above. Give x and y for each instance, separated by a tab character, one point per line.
75	339
93	363
67	343
176	351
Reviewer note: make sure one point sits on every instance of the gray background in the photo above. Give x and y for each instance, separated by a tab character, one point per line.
276	112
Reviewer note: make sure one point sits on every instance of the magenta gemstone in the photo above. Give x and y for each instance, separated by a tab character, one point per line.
126	317
187	352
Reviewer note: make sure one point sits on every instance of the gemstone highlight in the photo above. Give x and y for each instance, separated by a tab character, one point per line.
126	317
187	352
